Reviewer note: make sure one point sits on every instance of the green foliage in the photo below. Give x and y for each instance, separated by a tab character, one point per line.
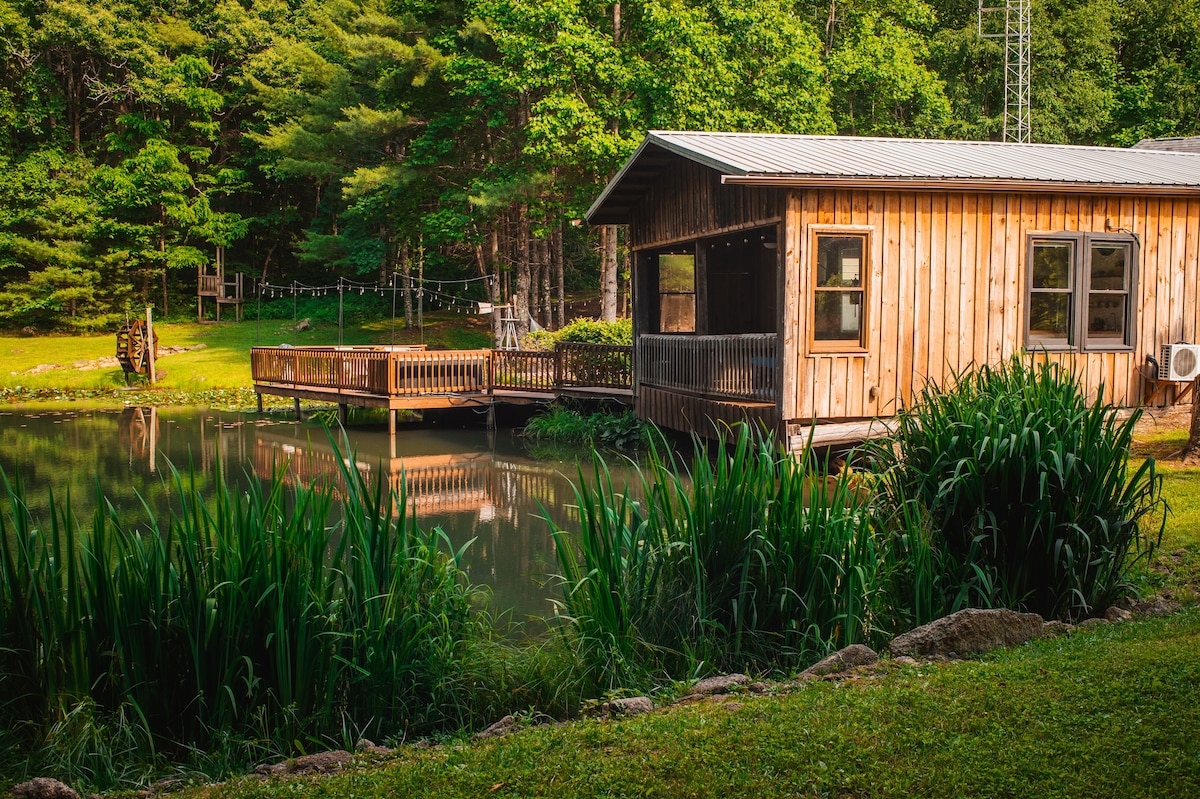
254	614
1010	489
585	331
751	561
621	432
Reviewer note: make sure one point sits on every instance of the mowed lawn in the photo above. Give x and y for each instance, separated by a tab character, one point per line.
222	363
1107	712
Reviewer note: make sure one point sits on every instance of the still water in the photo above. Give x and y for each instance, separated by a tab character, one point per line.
473	484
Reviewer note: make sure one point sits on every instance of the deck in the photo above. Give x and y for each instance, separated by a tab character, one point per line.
413	378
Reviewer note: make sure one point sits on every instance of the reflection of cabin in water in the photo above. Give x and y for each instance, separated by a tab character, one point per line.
433	484
794	280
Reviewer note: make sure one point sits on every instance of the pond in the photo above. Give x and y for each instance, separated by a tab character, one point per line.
476	485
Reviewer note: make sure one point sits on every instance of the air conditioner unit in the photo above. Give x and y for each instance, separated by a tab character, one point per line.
1179	362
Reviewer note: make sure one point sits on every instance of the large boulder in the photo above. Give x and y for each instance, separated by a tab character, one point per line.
968	632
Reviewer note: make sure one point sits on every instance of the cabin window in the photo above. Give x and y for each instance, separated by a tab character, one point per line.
1080	290
838	294
677	293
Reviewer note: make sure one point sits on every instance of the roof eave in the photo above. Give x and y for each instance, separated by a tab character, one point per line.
596	214
958	184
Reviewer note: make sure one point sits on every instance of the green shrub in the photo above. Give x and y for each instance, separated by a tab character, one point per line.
584	331
753	560
563	425
1012	489
593	331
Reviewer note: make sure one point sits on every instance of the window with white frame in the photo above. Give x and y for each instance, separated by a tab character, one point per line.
1080	291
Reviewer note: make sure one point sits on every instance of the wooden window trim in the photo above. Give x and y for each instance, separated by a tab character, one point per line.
817	347
1080	291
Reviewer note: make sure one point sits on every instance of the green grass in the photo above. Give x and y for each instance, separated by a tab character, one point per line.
1112	712
223	364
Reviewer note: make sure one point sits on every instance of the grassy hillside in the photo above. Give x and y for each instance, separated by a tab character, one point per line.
1111	712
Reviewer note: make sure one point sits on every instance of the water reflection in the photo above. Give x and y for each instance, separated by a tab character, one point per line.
476	486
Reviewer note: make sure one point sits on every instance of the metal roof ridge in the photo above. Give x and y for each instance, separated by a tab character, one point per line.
899	139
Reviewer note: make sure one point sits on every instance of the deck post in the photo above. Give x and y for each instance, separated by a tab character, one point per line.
259	396
297	409
343	414
491	415
392	422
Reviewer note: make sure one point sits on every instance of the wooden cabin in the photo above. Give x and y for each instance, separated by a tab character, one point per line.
794	280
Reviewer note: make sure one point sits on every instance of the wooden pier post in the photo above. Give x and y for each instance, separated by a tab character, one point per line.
259	396
343	414
392	422
297	409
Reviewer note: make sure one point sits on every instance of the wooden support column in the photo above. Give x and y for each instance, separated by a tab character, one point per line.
701	287
343	414
391	414
260	407
297	400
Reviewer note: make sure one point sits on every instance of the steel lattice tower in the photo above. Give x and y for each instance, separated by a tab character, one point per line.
1016	62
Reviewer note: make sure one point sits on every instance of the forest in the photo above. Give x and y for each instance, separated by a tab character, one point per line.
386	141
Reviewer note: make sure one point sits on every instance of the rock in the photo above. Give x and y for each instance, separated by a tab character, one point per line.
968	632
758	687
1117	614
371	748
43	788
304	324
1154	607
168	785
718	685
502	727
842	660
630	706
1096	622
319	763
1056	629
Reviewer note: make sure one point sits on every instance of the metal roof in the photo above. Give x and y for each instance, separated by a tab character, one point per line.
856	162
1177	144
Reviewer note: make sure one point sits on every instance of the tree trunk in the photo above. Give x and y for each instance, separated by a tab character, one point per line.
1191	450
162	253
547	303
608	273
494	290
521	294
558	274
406	284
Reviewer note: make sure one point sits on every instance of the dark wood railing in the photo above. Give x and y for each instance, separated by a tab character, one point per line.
521	370
594	365
740	367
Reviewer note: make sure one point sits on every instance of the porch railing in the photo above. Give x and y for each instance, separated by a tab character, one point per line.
739	367
407	372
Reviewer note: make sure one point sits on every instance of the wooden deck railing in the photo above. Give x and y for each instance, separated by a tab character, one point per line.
402	372
740	367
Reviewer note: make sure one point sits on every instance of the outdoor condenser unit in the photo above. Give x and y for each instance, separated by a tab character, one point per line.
1179	362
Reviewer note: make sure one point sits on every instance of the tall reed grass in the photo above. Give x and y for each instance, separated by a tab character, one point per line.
1011	488
751	559
264	613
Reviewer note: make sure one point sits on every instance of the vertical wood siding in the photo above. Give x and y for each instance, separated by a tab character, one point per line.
946	290
688	201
